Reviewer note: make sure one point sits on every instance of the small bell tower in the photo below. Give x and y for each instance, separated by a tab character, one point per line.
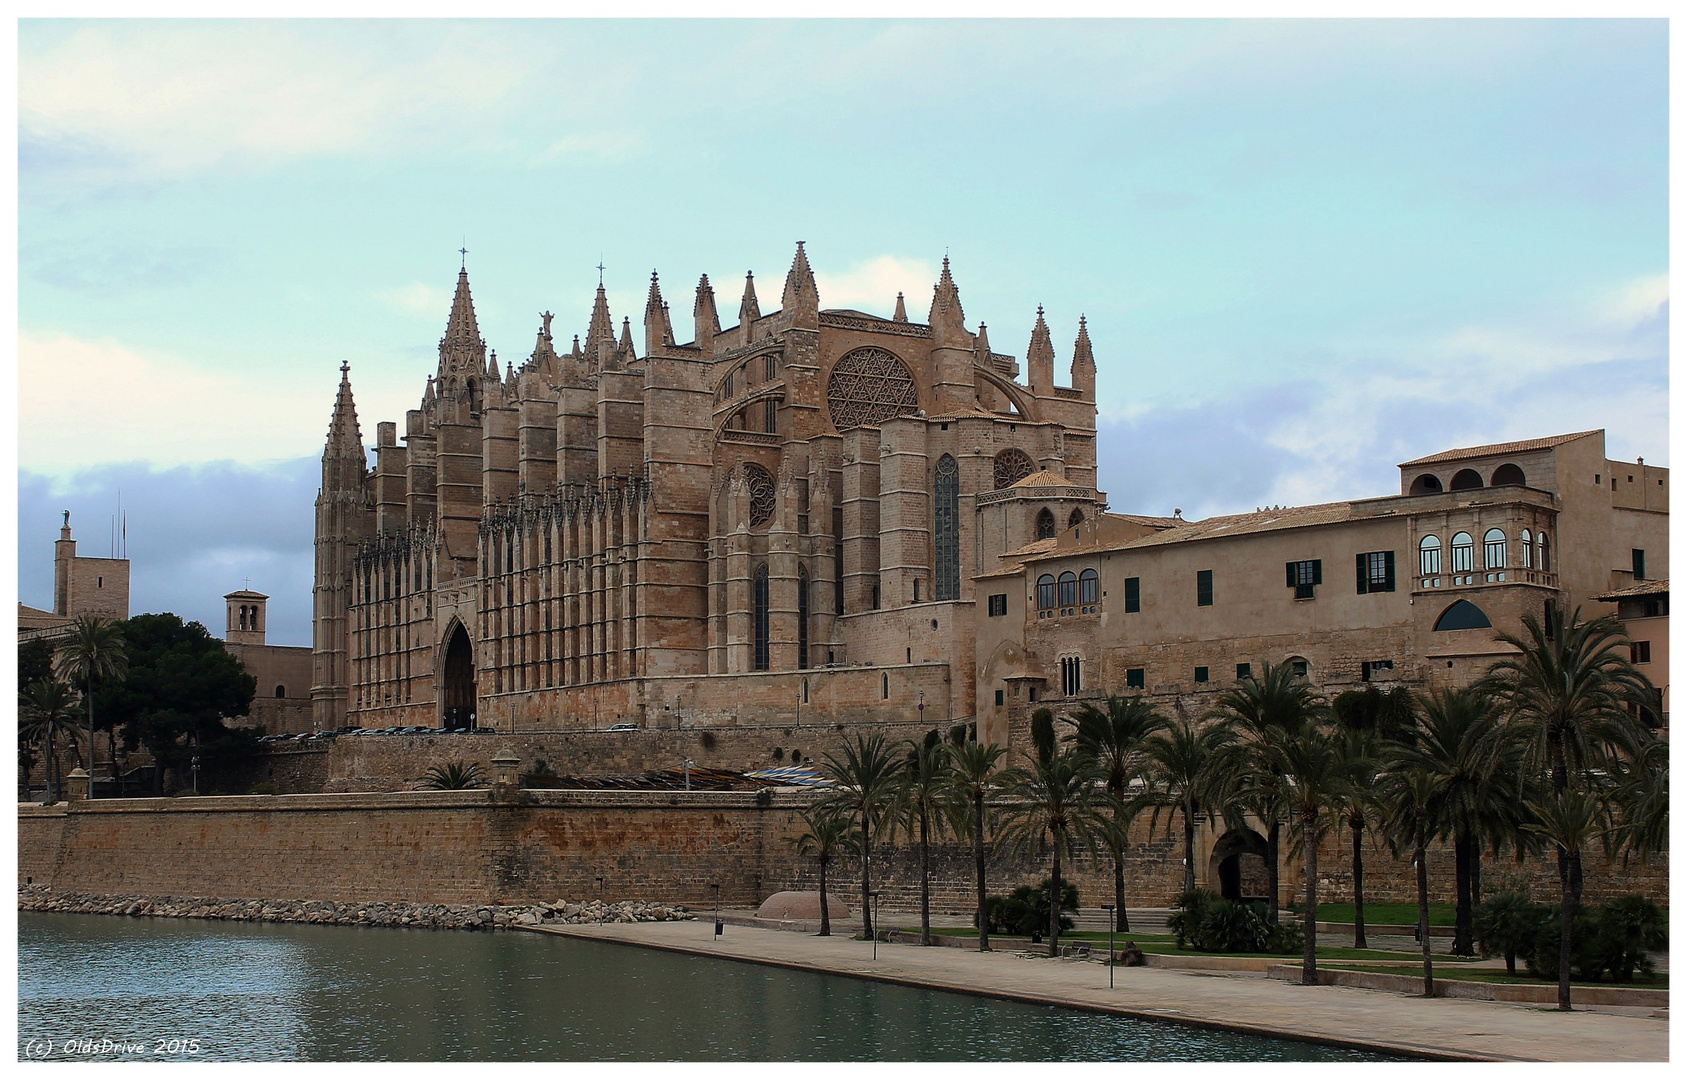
247	617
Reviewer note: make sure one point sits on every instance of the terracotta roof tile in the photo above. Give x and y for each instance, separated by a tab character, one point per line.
1655	587
1493	449
1045	479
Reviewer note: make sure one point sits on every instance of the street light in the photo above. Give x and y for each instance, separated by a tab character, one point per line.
1109	908
875	898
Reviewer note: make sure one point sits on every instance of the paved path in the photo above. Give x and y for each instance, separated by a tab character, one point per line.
1437	1027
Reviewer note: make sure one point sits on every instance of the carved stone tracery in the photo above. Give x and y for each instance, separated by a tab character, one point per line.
760	484
868	387
1012	466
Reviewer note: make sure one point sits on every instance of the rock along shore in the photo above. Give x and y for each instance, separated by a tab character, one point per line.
344	913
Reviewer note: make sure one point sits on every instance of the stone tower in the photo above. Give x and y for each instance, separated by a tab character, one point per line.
342	521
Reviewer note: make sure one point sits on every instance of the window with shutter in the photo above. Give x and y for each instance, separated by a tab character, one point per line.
1203	588
1376	571
1133	594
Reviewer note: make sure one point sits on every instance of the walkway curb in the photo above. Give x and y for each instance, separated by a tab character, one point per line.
1541	993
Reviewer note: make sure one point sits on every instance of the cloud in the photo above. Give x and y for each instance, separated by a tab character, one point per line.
194	534
594	148
83	403
109	99
416	298
872	285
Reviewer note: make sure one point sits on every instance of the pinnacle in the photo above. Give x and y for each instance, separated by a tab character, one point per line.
800	281
344	436
901	310
749	310
602	327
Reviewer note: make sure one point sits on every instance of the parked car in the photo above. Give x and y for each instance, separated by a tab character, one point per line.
623	726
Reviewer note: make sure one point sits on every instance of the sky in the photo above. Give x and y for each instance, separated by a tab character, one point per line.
1306	250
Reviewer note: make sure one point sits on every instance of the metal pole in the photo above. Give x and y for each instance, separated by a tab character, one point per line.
1110	926
717	911
600	890
876	928
688	764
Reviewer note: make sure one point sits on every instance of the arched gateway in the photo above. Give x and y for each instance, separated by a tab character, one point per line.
1238	865
456	691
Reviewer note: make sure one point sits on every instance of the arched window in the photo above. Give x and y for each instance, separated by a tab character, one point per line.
761	617
1068	589
1427	484
1540	543
1493	549
1089	590
802	623
1463	615
1045	596
280	691
1508	474
946	540
1429	555
1464	553
1465	479
1525	550
1012	466
1045	524
1075	520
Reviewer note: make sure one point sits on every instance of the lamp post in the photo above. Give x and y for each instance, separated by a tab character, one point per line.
874	896
600	889
716	888
196	774
1109	908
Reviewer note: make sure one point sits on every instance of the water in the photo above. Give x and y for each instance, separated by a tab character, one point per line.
185	989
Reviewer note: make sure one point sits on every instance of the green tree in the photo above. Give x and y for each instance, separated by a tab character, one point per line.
1640	795
1407	795
180	685
1055	807
830	833
972	780
1361	762
1464	746
35	660
93	653
1114	737
1506	924
45	709
921	807
1276	703
864	786
1314	785
1569	820
1186	779
453	776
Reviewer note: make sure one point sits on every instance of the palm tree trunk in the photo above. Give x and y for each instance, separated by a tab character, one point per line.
1475	872
52	763
925	881
1421	857
1273	885
1054	900
1309	955
978	859
1188	850
1123	925
1568	909
1464	923
1358	884
866	897
825	915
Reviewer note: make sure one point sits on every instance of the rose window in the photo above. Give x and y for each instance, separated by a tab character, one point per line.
868	387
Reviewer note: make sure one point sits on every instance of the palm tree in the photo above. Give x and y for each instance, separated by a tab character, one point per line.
1361	765
1407	794
1114	737
1569	820
45	708
1056	808
972	781
454	776
1276	701
1186	779
1569	690
1641	795
1314	782
864	785
921	806
93	652
1462	744
829	834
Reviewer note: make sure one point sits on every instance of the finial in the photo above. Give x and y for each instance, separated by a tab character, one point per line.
345	366
464	252
600	269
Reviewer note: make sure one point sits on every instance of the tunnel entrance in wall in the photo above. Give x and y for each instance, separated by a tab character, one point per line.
1238	866
456	692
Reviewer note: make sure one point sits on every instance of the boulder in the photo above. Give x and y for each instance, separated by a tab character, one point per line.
800	905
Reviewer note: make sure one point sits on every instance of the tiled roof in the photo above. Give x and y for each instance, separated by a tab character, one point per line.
1288	517
1010	570
1035	547
1045	479
1149	520
1657	587
1494	449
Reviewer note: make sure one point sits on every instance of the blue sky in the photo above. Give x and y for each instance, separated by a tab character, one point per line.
1307	250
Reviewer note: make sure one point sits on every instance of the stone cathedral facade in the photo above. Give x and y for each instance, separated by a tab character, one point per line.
776	521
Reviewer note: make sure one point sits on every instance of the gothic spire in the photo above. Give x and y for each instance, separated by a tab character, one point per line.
1083	361
901	310
628	355
748	309
1039	355
602	328
802	296
948	321
343	459
462	345
982	344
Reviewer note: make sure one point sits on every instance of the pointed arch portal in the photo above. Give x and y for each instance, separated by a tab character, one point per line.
456	692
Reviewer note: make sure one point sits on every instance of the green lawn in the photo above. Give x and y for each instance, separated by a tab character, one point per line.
1166	945
1387	914
1656	982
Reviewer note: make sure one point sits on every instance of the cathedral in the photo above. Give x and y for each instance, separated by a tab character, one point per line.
778	521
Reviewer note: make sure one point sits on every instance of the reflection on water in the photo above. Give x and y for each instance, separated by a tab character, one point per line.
271	992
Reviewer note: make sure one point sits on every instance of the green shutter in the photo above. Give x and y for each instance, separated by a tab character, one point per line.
1317	571
1290	567
1364	572
1388	571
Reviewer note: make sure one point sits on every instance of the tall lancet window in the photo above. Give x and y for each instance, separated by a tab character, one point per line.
761	617
802	616
946	530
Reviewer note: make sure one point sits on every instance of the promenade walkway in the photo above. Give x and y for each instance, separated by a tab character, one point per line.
1439	1027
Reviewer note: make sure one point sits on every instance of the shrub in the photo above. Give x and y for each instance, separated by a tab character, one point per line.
1507	924
1026	909
542	768
1286	938
1629	927
1207	922
1584	952
778	753
454	776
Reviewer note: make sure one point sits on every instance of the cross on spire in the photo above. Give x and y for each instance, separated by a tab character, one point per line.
248	584
600	269
464	252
